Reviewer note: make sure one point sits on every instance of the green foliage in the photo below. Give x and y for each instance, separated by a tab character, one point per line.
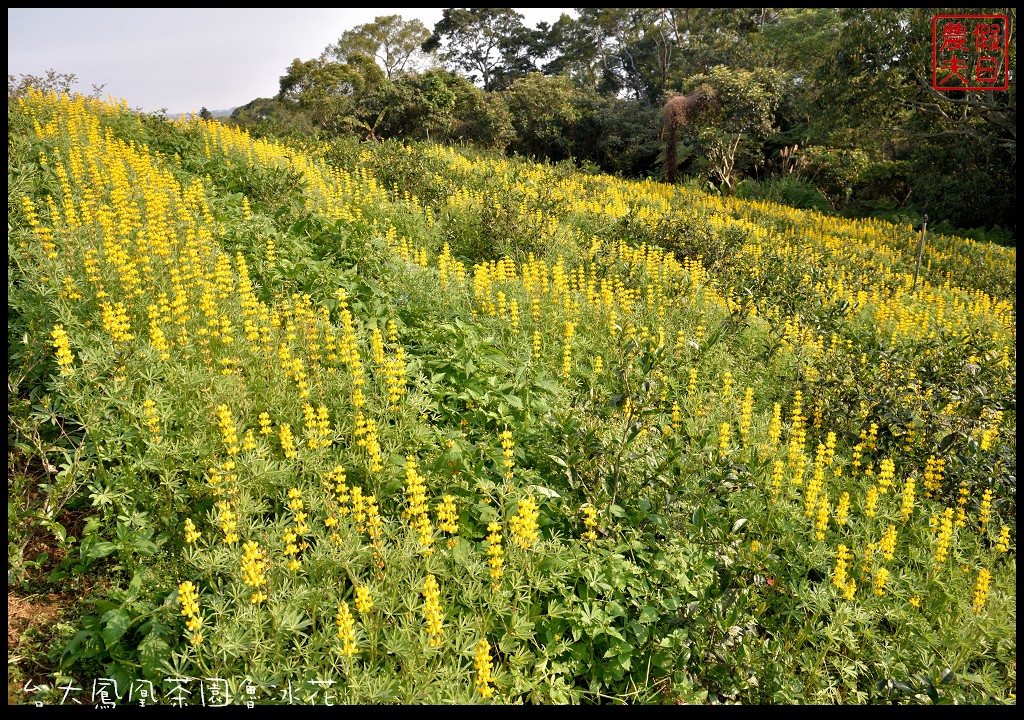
485	43
619	137
785	191
543	112
731	133
671	563
851	87
390	40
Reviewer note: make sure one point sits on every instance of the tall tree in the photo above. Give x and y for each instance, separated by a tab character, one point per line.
543	111
961	146
485	43
738	122
393	42
330	93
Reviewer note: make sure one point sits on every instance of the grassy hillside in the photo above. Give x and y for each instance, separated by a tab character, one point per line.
391	423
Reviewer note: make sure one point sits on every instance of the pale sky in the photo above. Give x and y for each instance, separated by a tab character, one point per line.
183	59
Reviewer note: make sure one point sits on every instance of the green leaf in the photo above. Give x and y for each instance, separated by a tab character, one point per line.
101	550
663	659
946	676
946	442
648	615
144	547
545	384
119	673
738	524
115	623
58	530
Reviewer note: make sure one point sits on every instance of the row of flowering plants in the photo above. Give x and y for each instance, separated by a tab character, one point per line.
387	423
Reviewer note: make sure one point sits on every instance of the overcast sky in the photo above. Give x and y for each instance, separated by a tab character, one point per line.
183	59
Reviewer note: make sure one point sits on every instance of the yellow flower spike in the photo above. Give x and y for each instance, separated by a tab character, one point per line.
1003	541
746	413
483	666
346	629
494	551
524	523
981	590
944	536
508	451
590	522
821	521
363	600
881	576
778	473
432	610
63	347
188	598
871	501
843	509
775	426
907	505
984	510
724	432
265	428
447	520
888	543
839	576
191	534
253	570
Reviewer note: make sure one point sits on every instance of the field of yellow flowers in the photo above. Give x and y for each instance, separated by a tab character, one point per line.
340	422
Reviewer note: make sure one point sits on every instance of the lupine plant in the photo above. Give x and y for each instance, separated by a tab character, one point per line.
401	423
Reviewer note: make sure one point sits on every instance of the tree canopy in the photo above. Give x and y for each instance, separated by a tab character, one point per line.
393	42
839	99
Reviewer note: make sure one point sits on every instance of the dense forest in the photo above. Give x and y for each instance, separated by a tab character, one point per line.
822	108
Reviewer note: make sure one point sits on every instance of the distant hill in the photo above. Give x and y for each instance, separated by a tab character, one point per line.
215	113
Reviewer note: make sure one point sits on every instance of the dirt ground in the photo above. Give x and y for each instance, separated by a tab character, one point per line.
25	613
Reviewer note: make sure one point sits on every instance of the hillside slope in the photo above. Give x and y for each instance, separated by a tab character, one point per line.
446	428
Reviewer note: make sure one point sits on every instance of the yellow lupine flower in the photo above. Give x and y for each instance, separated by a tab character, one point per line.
907	505
188	598
981	590
346	629
888	543
881	575
1003	541
508	451
524	523
843	509
191	534
63	348
432	610
363	600
494	551
985	509
724	432
944	536
871	501
590	522
483	666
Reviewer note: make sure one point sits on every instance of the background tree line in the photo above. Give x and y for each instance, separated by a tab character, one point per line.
823	107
